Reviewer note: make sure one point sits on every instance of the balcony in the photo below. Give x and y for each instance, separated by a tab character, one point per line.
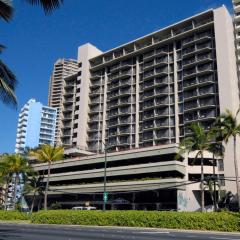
95	84
162	135
95	119
68	100
203	22
94	92
161	112
124	121
94	101
94	110
95	76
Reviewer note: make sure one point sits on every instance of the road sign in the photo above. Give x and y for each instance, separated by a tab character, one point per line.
105	196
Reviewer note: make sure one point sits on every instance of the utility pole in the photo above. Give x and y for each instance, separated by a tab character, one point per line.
105	194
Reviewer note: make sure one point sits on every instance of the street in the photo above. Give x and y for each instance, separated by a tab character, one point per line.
56	232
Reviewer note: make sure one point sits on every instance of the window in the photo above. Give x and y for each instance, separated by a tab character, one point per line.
220	165
77	99
221	180
79	64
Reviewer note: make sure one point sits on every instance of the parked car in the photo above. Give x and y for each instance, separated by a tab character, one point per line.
84	208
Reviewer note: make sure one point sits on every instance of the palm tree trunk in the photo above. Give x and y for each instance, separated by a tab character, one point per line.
236	171
33	200
15	191
6	195
202	187
214	185
46	189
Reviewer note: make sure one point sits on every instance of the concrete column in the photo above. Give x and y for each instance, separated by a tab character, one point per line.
176	93
137	105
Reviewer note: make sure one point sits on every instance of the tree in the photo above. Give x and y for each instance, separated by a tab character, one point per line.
16	167
47	154
7	78
197	142
34	185
7	9
8	84
230	126
12	168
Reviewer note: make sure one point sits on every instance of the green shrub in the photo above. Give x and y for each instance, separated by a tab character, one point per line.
224	221
13	215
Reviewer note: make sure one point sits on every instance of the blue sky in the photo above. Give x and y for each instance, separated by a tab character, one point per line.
35	41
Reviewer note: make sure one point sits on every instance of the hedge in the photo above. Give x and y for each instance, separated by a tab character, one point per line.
223	221
13	215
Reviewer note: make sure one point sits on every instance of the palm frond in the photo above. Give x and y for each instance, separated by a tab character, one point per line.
48	5
6	10
8	84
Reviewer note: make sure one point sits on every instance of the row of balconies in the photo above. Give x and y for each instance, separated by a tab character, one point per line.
122	83
148	41
119	93
157	62
158	134
119	121
200	115
122	74
197	38
200	103
197	92
196	49
121	66
201	58
198	81
119	102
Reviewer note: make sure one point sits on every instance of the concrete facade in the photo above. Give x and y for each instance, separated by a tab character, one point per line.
136	102
62	69
36	125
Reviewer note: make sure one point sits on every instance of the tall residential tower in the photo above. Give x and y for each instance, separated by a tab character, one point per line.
36	126
62	69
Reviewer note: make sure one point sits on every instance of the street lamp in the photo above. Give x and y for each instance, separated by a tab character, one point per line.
105	195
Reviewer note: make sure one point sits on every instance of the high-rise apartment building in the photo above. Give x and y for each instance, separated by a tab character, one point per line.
36	126
146	92
62	69
136	102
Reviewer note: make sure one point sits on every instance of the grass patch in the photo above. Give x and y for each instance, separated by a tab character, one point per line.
13	216
224	221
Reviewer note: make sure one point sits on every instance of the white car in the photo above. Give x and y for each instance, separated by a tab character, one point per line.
84	208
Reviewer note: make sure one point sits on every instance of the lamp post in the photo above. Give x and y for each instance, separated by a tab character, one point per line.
105	196
214	185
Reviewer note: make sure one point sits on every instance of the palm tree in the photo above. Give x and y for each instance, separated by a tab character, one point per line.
16	166
231	129
8	84
197	142
34	185
47	154
6	7
47	5
7	78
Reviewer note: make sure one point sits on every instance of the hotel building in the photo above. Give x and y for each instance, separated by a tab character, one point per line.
136	105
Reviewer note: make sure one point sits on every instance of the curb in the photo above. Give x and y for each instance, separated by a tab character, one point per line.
122	227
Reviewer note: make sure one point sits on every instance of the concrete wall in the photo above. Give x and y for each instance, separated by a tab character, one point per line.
85	52
227	79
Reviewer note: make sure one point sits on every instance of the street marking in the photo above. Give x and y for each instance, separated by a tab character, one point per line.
221	238
154	232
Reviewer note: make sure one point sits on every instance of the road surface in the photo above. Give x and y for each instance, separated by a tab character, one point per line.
56	232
